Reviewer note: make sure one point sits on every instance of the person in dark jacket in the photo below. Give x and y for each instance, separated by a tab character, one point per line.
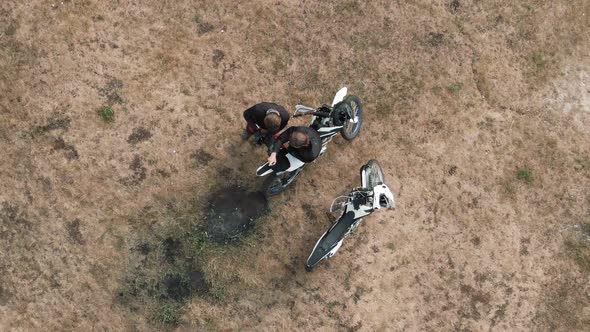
265	121
304	143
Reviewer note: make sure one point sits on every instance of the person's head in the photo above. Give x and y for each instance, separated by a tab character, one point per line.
298	139
272	120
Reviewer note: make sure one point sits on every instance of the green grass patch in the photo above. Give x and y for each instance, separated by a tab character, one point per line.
525	175
218	293
165	271
167	314
106	114
455	88
540	60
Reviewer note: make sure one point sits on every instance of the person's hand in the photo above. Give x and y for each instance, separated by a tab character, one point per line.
257	137
272	159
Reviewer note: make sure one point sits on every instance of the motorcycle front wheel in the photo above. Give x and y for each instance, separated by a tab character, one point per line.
374	174
353	126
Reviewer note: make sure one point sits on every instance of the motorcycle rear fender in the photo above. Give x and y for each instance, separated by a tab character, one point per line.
264	170
328	254
294	163
302	109
317	243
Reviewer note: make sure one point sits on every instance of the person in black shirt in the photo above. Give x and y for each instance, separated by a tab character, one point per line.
304	143
265	121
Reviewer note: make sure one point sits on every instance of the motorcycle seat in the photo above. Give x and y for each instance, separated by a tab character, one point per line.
338	230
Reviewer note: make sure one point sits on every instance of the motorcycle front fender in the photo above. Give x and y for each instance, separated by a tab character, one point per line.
340	96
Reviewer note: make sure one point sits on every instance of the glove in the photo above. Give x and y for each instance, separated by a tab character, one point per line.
258	137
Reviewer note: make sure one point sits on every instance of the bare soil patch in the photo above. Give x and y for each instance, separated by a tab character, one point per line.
232	212
69	150
111	92
73	229
139	134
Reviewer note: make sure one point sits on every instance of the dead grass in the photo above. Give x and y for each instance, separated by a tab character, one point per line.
563	306
578	247
89	211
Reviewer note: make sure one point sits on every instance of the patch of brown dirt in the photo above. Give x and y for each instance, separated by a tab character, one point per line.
139	134
69	150
232	212
74	233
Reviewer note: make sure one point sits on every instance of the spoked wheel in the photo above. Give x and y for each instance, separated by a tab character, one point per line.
352	126
279	183
274	186
374	174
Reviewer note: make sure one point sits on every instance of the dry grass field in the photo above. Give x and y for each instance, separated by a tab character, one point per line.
119	119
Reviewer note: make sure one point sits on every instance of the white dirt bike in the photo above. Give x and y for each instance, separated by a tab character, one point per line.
343	116
360	202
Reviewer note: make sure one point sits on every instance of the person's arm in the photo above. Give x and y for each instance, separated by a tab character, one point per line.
275	146
272	138
282	139
250	116
272	159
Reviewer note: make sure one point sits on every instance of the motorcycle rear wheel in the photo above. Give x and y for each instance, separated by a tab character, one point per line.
309	268
277	184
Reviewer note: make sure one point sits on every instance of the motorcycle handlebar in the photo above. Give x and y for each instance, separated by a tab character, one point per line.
316	113
321	113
